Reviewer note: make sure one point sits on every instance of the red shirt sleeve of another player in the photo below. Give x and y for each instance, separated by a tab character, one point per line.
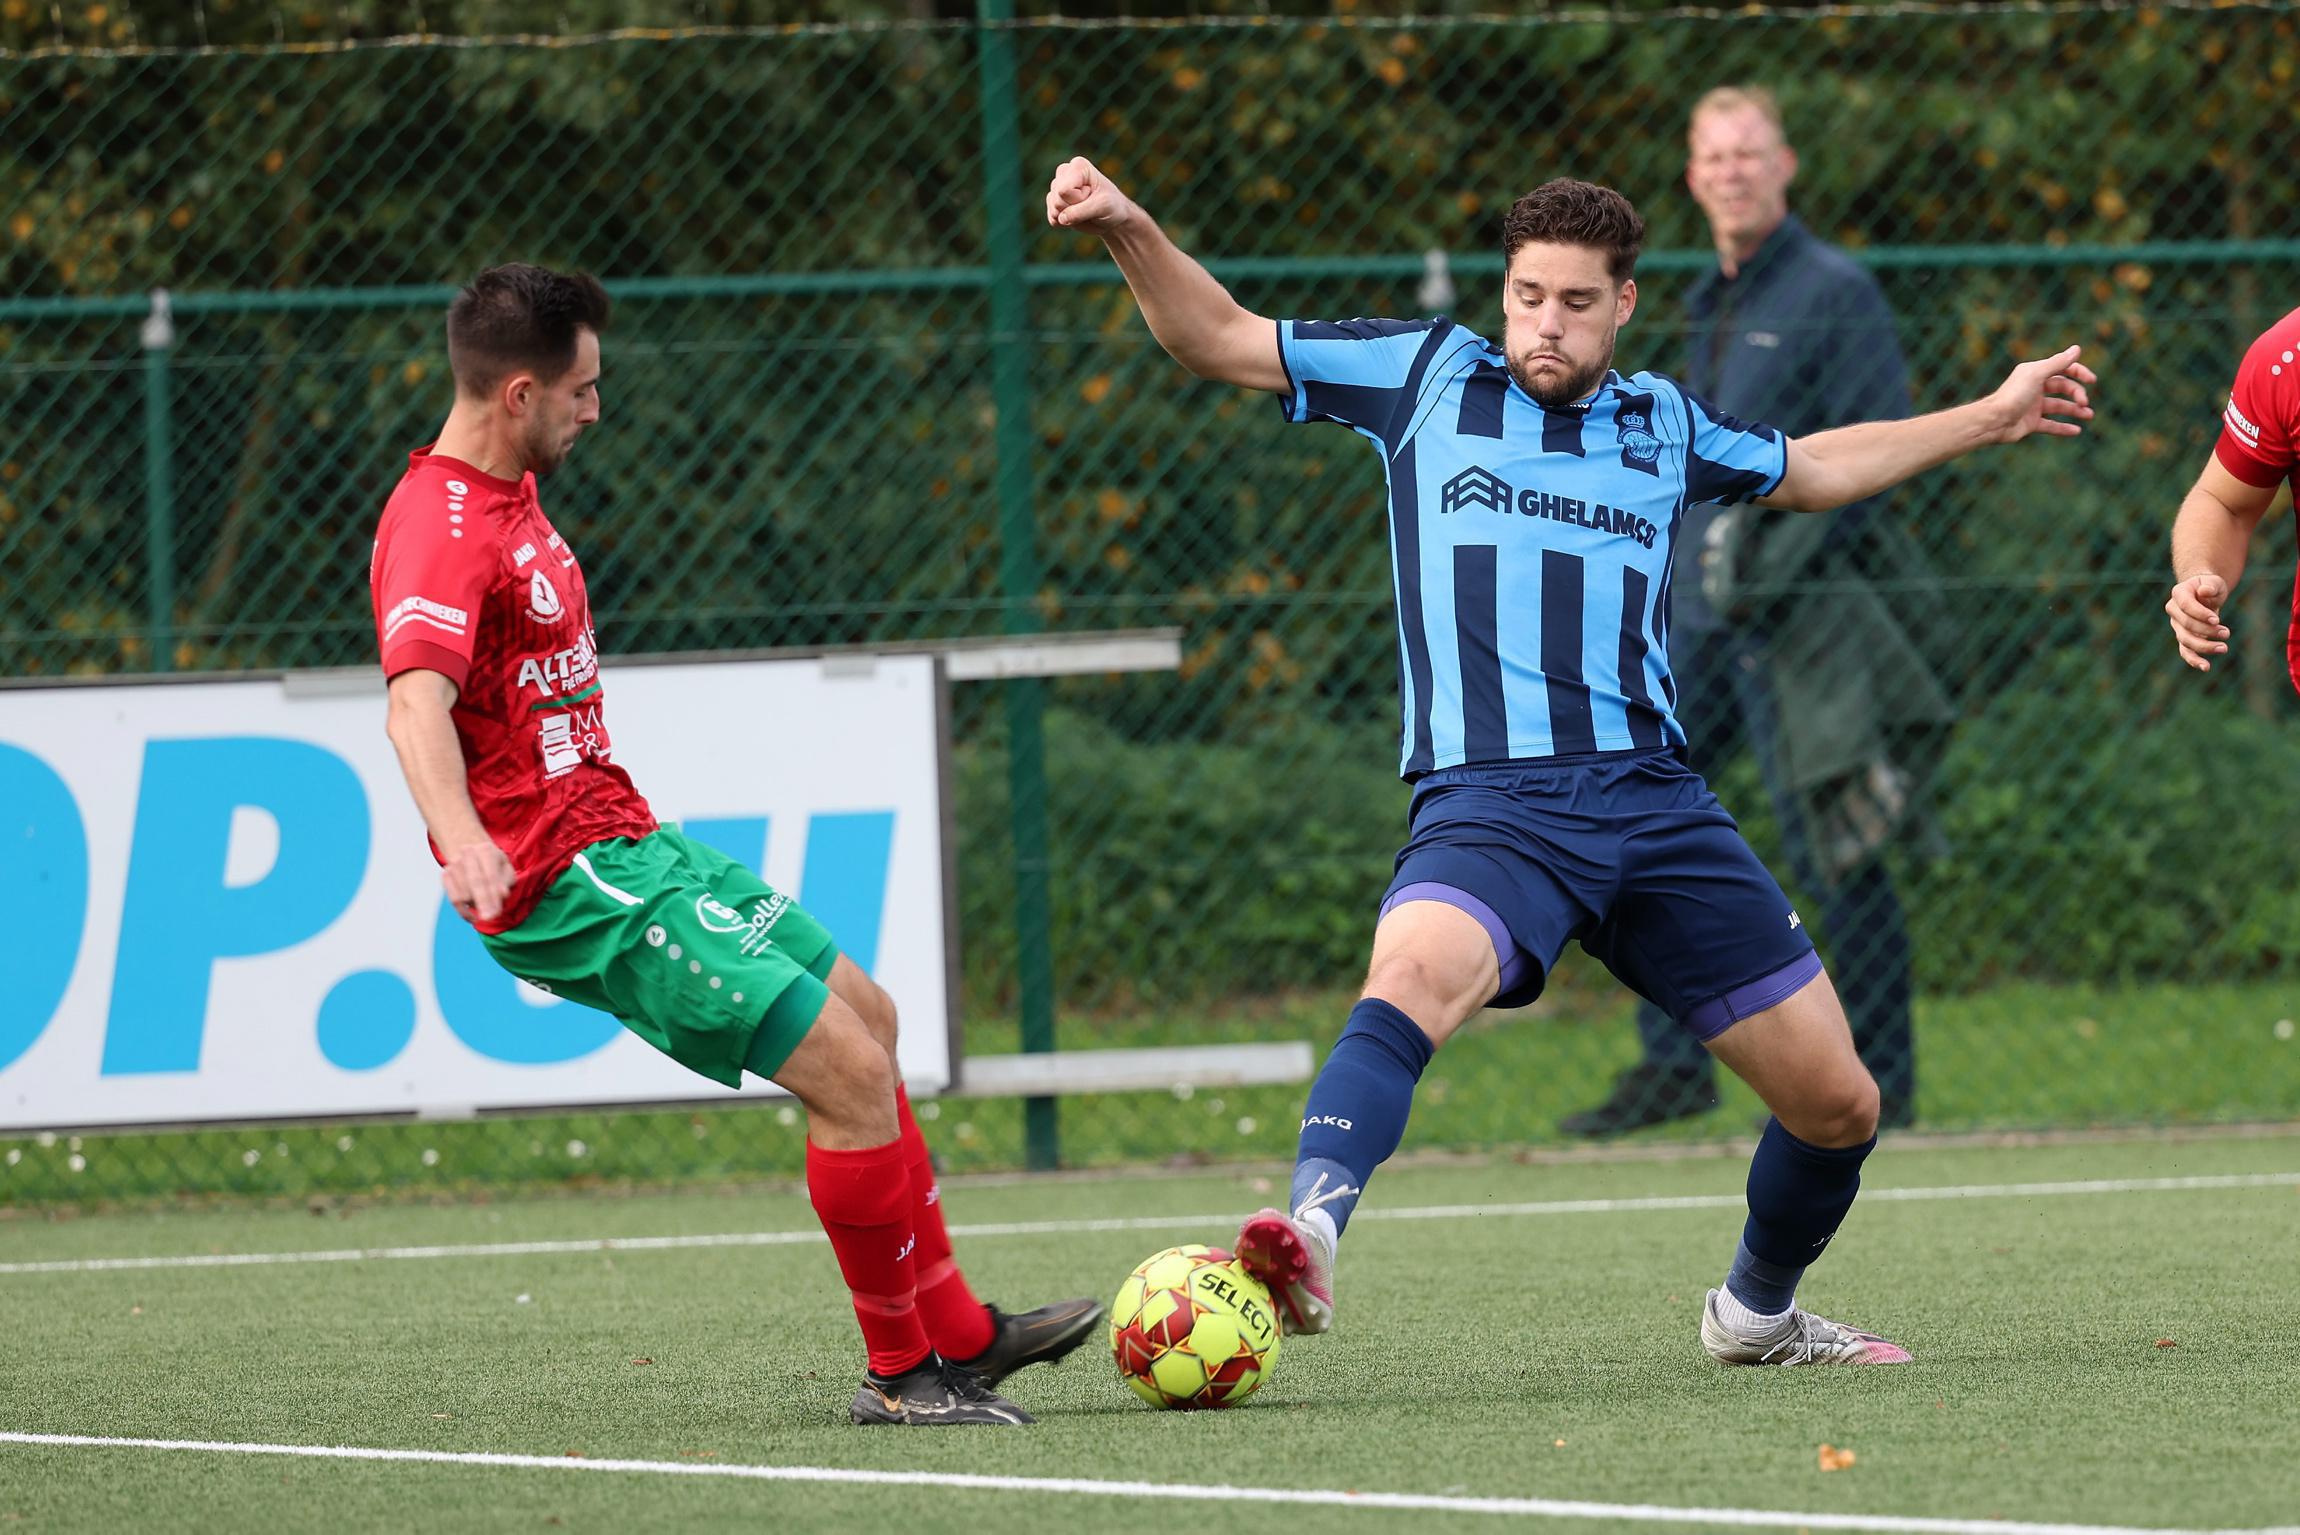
430	579
2260	426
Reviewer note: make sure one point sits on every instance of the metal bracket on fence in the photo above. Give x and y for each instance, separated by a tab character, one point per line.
1437	290
159	338
159	329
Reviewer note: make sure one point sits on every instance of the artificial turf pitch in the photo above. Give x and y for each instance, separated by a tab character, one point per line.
2115	1358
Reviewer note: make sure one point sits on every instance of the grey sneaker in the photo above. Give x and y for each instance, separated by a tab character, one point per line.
1801	1338
1294	1256
936	1392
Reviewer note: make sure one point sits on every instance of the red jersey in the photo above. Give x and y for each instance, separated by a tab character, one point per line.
2260	432
471	581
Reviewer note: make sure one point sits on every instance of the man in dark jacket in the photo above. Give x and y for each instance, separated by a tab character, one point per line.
1780	641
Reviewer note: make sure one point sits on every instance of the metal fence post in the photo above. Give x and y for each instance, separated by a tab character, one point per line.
1018	569
159	339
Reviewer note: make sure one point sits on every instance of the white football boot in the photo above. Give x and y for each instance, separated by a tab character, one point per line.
1799	1338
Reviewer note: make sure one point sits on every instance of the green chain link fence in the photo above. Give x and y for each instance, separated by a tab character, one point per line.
881	401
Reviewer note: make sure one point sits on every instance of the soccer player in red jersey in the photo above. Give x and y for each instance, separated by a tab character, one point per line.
497	712
2258	450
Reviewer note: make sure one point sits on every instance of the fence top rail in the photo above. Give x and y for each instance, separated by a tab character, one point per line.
65	50
1071	274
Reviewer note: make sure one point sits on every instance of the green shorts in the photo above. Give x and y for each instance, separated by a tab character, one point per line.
694	953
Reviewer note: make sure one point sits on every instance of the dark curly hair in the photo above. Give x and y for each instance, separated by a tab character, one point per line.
520	317
1568	212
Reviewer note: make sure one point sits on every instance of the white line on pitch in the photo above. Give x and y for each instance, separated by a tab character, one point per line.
1131	1223
1526	1508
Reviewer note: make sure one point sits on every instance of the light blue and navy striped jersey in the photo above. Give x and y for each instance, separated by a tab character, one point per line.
1530	547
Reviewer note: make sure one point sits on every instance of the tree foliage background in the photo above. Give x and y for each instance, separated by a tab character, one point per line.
812	461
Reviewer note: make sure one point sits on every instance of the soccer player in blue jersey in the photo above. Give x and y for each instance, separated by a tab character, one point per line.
1534	493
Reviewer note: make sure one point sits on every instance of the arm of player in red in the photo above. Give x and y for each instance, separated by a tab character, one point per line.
2214	529
428	590
476	873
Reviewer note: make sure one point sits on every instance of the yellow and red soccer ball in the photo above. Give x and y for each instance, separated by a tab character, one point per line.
1190	1328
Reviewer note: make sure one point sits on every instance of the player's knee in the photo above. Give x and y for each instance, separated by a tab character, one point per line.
870	1001
868	1065
1403	980
1846	1115
878	1014
850	1077
1420	989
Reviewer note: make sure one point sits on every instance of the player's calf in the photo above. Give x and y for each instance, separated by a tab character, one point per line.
1798	1054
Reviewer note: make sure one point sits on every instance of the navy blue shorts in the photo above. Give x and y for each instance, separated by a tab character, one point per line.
1628	852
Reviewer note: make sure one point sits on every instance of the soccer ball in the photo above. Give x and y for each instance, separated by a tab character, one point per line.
1190	1328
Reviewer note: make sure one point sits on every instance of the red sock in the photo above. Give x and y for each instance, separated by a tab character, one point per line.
955	1320
863	1200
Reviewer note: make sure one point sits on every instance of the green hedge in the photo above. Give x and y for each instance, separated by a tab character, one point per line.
2156	853
2162	853
1185	870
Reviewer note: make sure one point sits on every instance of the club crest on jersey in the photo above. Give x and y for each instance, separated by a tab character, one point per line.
543	597
1640	449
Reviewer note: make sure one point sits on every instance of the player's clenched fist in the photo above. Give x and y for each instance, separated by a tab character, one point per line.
478	877
1081	197
2194	608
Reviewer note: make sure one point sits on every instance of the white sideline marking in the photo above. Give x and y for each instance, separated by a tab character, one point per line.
1136	1223
1533	1508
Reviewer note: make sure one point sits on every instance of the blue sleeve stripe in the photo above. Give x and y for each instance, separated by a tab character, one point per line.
1779	472
1396	434
1289	402
1292	404
1347	371
1357	330
1751	459
1727	423
1358	405
1725	484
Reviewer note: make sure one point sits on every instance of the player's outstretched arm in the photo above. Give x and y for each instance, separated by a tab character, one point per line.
476	872
1193	316
2209	540
2047	397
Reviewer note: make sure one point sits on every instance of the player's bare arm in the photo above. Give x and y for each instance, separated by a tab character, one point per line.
2209	540
2049	397
476	873
1194	317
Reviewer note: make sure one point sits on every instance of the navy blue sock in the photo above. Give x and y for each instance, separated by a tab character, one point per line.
1357	1110
1798	1196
